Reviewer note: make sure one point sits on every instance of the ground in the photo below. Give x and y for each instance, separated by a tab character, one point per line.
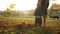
26	25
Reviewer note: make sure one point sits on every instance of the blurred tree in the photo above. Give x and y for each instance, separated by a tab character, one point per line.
11	7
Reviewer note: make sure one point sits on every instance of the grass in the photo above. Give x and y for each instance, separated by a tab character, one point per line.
8	23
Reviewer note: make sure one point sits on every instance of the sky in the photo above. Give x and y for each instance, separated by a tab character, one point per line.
22	4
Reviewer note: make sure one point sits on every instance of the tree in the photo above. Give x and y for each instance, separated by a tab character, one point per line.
11	7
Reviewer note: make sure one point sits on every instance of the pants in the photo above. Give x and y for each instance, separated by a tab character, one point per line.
38	21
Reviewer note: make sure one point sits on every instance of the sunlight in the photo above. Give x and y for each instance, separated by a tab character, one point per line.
26	4
22	5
